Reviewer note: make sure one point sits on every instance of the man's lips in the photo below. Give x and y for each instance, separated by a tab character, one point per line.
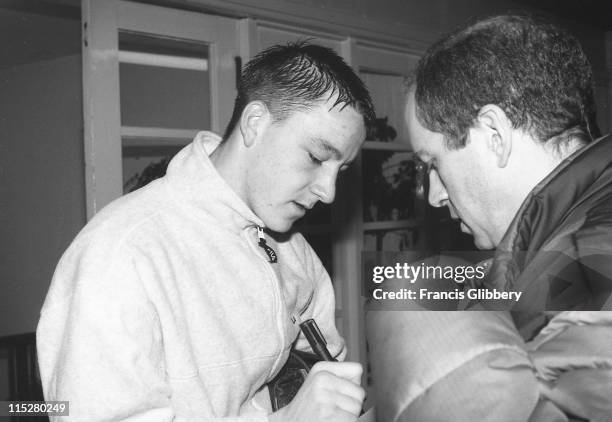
300	208
304	206
462	225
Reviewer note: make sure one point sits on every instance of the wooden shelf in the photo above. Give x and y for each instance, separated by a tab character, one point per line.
392	224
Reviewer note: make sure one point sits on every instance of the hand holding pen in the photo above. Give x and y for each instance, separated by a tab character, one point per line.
331	391
313	334
316	340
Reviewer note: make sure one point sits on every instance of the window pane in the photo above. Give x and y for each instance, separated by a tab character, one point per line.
388	96
143	164
163	83
390	181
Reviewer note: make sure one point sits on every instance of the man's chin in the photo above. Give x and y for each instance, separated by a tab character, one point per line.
483	244
280	226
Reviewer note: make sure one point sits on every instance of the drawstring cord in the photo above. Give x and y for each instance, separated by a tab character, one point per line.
295	318
262	244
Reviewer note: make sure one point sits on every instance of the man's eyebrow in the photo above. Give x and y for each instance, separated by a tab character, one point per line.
324	145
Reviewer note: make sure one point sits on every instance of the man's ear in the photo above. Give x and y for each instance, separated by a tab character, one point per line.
253	120
498	132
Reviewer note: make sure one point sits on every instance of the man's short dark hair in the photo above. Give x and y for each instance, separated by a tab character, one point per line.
534	71
293	77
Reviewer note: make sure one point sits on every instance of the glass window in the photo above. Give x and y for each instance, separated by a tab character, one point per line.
143	164
388	96
390	182
163	83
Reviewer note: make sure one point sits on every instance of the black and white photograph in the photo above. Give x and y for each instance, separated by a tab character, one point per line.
306	210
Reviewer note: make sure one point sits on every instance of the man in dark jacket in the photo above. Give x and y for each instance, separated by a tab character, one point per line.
502	112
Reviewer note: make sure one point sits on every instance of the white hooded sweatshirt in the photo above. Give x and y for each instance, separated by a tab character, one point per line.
165	308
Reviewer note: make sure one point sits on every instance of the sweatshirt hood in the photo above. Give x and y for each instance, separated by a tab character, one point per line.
194	180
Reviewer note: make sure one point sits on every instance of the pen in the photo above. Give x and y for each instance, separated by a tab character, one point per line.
316	340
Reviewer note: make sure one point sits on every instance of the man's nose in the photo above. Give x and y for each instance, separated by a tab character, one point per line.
325	187
438	197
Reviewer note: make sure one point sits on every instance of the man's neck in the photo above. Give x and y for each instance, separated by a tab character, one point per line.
530	163
226	159
560	150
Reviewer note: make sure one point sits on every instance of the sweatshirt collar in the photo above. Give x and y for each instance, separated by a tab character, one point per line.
195	182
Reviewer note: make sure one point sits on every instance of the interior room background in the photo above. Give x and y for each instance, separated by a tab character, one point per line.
78	129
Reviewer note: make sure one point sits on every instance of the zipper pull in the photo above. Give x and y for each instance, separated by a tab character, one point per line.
262	244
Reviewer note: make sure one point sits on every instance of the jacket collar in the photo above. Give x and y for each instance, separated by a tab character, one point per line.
195	183
549	203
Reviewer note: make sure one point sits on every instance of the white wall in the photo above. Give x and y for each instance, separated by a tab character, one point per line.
42	194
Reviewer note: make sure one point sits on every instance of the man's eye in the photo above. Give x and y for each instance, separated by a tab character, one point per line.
314	159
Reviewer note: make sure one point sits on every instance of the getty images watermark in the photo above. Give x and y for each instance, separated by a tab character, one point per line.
441	281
